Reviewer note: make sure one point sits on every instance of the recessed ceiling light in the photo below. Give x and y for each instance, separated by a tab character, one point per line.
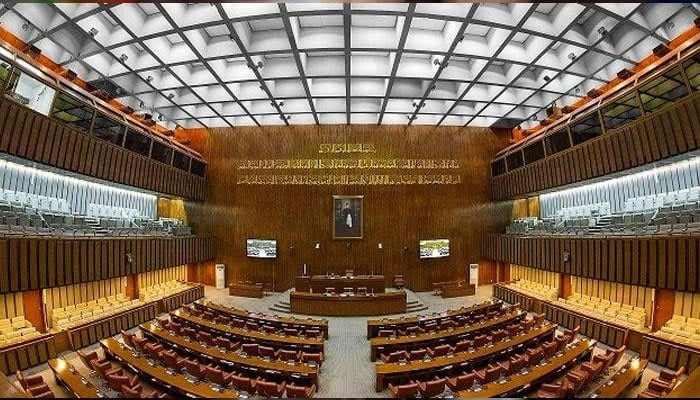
93	31
571	56
123	57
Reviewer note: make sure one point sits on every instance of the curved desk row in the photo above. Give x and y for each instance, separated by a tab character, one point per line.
374	325
276	340
296	370
273	320
385	372
177	382
337	305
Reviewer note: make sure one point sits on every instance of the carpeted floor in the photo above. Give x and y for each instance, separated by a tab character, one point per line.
347	370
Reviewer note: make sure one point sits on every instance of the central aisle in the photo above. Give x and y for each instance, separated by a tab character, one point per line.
347	370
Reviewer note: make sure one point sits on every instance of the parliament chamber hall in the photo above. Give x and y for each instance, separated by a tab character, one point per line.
349	200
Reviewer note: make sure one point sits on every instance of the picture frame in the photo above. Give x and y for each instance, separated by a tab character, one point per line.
348	220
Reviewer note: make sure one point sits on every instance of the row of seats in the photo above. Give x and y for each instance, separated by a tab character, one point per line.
116	378
464	343
496	369
34	386
101	210
429	321
250	324
437	325
163	289
611	311
663	384
37	202
250	348
213	374
31	215
681	329
65	317
535	289
665	213
15	330
580	375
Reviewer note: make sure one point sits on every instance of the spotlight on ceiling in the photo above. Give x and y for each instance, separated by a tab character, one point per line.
602	31
571	56
577	90
141	104
547	78
160	117
93	31
149	78
670	24
433	87
123	57
171	96
25	26
285	117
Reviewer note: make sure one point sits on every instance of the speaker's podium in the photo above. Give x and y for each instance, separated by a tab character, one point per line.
345	295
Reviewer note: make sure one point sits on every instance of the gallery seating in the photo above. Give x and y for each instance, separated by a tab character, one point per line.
28	215
80	313
535	289
611	311
681	329
663	213
15	330
160	290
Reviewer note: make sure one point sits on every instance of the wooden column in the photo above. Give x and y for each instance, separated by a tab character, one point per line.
565	289
664	303
34	310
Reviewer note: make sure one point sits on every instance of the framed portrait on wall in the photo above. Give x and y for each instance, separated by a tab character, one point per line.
347	217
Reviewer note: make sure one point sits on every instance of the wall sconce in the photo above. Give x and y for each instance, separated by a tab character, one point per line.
317	246
380	246
129	258
565	256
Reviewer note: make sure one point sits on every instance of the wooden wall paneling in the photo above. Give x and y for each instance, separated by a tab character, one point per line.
625	147
9	129
671	139
693	264
4	118
18	131
33	264
690	123
672	263
29	127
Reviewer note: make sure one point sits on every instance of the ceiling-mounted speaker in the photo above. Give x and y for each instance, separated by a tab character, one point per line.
553	111
33	51
625	73
69	74
661	50
593	93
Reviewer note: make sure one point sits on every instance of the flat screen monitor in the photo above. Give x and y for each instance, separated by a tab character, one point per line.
261	248
434	248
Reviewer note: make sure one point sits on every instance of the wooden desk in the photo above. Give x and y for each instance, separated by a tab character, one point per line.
8	390
424	339
458	289
539	373
386	371
629	374
309	372
243	290
374	325
319	283
276	340
336	305
177	382
72	380
274	320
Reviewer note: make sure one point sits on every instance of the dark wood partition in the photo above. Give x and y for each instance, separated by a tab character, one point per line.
27	354
610	334
30	135
44	262
665	262
87	334
669	354
671	131
397	215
